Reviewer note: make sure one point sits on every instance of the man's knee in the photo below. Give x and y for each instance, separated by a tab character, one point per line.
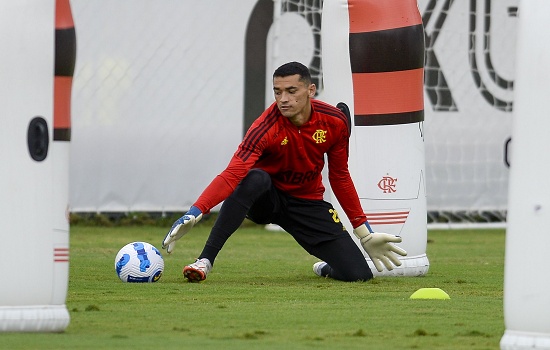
351	274
359	274
256	180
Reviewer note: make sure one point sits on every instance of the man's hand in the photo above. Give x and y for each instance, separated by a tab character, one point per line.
379	248
180	227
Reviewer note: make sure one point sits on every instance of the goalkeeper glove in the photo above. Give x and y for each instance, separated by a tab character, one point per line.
180	227
379	248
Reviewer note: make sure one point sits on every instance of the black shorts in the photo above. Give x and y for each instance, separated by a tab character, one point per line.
314	224
308	221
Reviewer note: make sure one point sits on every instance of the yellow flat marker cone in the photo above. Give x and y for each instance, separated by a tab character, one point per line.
430	293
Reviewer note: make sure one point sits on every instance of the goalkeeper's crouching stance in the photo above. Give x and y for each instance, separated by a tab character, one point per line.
275	177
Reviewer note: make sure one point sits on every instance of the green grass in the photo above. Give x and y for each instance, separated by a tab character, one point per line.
262	294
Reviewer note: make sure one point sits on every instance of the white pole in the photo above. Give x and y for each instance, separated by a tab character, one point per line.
526	285
34	230
277	13
386	153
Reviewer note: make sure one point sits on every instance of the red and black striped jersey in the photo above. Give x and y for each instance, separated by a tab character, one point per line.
294	157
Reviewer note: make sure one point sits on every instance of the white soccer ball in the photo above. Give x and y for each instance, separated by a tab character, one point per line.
139	262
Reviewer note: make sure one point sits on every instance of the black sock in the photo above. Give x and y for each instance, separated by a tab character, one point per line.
210	253
230	218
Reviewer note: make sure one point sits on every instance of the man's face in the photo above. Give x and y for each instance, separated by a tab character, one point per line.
293	96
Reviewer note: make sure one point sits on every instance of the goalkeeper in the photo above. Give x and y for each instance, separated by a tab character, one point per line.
275	177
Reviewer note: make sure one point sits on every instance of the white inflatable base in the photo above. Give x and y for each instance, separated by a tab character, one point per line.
411	266
35	318
516	340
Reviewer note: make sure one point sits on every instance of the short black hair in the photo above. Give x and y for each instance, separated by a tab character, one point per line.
292	68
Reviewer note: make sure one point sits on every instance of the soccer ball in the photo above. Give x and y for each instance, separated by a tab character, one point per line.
139	262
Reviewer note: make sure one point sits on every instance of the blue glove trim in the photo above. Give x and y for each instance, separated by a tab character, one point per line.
368	227
193	211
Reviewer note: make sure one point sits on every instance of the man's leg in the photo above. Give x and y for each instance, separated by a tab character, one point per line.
344	259
231	215
316	227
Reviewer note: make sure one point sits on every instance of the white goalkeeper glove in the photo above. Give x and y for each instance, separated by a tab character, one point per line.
379	247
180	227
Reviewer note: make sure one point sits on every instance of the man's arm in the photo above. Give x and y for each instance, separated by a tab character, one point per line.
342	185
217	191
223	185
378	245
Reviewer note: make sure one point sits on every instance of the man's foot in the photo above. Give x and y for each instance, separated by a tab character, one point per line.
198	270
318	267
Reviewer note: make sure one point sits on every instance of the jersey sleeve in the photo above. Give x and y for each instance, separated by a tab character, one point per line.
223	185
240	164
342	183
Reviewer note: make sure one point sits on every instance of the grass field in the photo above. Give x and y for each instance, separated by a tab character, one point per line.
262	294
